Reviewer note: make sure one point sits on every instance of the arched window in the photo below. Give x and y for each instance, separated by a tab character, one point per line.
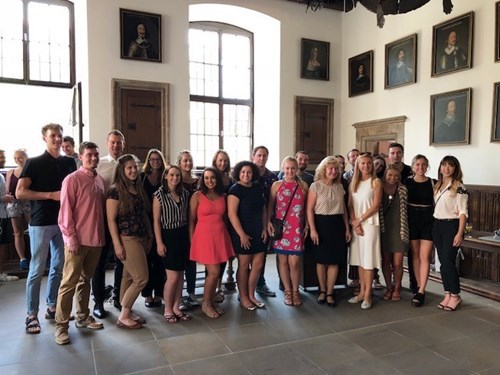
37	42
221	88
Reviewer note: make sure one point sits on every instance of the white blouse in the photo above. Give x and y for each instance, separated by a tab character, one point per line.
448	206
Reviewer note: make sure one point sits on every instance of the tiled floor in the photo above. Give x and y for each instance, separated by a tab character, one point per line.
391	338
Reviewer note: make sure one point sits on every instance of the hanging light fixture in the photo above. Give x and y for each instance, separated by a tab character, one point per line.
314	5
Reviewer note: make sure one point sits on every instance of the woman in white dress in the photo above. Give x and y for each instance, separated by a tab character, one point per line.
365	195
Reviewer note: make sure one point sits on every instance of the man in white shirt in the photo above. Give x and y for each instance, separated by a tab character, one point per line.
115	144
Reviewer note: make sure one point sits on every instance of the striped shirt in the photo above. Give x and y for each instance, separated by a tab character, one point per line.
173	215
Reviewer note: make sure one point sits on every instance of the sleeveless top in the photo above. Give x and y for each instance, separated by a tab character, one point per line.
363	199
13	185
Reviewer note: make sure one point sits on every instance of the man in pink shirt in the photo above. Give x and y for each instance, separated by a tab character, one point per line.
81	220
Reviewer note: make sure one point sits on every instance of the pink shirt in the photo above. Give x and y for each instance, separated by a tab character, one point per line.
81	217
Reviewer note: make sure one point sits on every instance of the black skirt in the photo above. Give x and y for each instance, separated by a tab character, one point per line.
332	248
177	244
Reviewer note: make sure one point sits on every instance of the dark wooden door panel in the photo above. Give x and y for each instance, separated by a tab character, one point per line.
141	121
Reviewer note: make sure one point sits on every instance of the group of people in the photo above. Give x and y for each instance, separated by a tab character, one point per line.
161	222
397	209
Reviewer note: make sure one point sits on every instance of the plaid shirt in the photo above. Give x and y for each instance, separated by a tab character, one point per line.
266	180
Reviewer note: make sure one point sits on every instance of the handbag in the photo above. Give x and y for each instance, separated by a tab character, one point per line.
279	224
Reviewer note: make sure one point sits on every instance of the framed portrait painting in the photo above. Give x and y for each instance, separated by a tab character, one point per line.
140	35
361	74
497	31
400	62
452	45
450	117
315	59
495	131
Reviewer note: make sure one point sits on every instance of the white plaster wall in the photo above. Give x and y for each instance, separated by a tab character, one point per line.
360	34
105	63
277	78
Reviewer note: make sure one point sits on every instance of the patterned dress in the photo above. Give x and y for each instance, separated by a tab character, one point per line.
292	242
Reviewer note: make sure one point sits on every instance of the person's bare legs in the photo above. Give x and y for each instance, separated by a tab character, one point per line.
242	274
366	279
331	278
426	248
386	270
19	225
211	279
321	272
415	255
397	269
171	291
257	262
284	271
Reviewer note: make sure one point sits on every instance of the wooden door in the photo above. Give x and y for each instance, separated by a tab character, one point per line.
314	128
141	121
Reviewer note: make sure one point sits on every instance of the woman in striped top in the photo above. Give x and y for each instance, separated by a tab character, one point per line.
170	216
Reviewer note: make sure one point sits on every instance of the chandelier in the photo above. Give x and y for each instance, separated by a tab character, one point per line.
314	5
379	7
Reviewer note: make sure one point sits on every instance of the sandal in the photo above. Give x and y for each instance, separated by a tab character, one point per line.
209	311
388	294
396	296
121	324
296	298
288	298
456	306
320	300
418	299
218	298
32	325
444	302
330	301
170	318
183	317
219	310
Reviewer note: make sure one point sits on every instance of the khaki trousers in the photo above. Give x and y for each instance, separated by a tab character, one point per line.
135	270
77	272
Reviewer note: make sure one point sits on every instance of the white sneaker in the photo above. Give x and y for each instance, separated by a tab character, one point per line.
5	278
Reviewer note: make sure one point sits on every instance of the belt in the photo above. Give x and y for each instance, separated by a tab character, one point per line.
445	219
421	208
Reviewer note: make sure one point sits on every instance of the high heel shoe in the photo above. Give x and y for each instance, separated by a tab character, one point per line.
288	298
445	301
296	298
330	301
388	294
396	294
453	306
320	300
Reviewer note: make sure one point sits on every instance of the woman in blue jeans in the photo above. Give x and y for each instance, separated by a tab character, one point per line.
450	214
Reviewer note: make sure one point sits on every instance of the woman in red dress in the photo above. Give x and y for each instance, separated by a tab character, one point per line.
210	241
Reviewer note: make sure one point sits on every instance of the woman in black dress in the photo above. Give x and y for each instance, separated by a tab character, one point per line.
247	214
151	174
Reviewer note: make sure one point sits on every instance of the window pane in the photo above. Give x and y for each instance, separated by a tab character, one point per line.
235	66
11	39
204	119
49	44
204	60
237	134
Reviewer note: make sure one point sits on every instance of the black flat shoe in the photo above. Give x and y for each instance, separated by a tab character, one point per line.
99	311
331	302
320	300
